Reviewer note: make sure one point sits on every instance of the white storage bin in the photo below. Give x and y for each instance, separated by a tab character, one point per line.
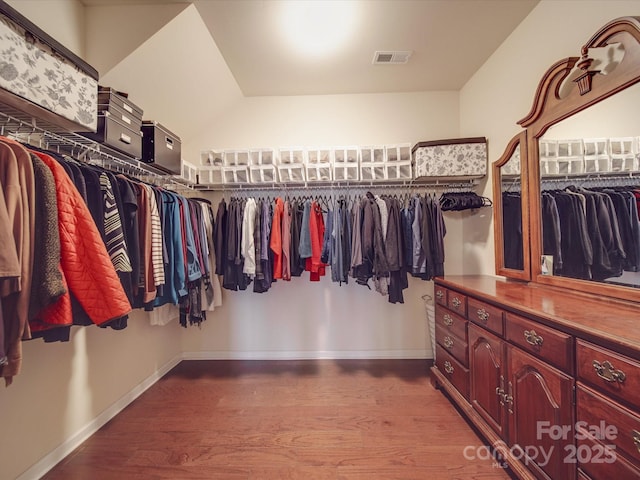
189	172
373	154
398	153
596	155
234	158
576	164
623	151
570	148
213	158
237	174
291	173
262	173
549	166
262	156
210	176
318	172
292	155
346	163
373	171
398	170
458	157
548	148
319	155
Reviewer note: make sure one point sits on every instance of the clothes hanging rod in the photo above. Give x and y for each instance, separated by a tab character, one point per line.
312	186
83	148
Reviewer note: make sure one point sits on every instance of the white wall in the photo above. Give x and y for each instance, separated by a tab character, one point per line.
62	19
65	387
299	319
501	92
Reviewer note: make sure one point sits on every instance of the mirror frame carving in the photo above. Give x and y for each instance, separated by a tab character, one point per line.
550	108
524	274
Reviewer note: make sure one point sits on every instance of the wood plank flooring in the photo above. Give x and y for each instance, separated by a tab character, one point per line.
310	420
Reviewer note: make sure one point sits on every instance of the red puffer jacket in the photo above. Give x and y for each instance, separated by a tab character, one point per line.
85	262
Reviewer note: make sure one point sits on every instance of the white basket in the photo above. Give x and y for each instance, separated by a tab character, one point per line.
234	158
291	173
210	176
318	172
292	156
623	152
570	148
319	156
549	165
262	174
346	163
373	154
372	172
400	170
234	175
548	148
596	155
398	153
189	172
262	156
212	158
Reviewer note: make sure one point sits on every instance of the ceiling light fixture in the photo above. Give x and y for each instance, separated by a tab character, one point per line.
318	28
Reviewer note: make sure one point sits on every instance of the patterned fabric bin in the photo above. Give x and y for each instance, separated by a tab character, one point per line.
464	157
44	79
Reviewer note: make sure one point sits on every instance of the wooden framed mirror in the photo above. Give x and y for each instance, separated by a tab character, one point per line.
511	211
583	153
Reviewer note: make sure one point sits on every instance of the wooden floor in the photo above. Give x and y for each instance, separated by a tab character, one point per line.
327	419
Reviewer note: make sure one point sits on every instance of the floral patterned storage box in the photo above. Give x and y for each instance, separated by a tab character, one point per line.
54	79
463	157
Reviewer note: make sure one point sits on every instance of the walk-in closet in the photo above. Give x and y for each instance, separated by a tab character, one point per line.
300	239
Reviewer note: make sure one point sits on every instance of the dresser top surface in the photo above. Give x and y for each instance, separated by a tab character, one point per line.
601	319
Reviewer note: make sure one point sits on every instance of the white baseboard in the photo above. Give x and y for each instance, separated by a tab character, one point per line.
309	355
52	458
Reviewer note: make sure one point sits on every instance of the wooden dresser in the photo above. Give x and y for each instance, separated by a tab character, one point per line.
550	377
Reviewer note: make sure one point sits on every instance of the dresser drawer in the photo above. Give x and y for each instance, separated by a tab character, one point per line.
451	322
551	345
452	344
622	426
457	302
600	462
486	315
441	294
616	375
456	373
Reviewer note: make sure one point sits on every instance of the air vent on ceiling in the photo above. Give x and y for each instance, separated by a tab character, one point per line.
384	58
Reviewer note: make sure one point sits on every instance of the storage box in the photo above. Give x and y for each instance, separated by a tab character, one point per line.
596	155
42	78
210	176
398	153
189	172
262	173
262	156
463	157
398	170
373	154
292	155
623	152
373	171
235	175
292	173
234	158
113	133
119	105
346	163
212	158
161	148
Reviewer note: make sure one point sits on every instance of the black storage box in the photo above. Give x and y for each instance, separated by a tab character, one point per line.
112	132
118	102
161	148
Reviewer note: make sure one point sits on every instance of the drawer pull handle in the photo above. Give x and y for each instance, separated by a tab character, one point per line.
608	373
448	367
483	315
439	294
447	320
533	338
456	302
636	439
448	342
